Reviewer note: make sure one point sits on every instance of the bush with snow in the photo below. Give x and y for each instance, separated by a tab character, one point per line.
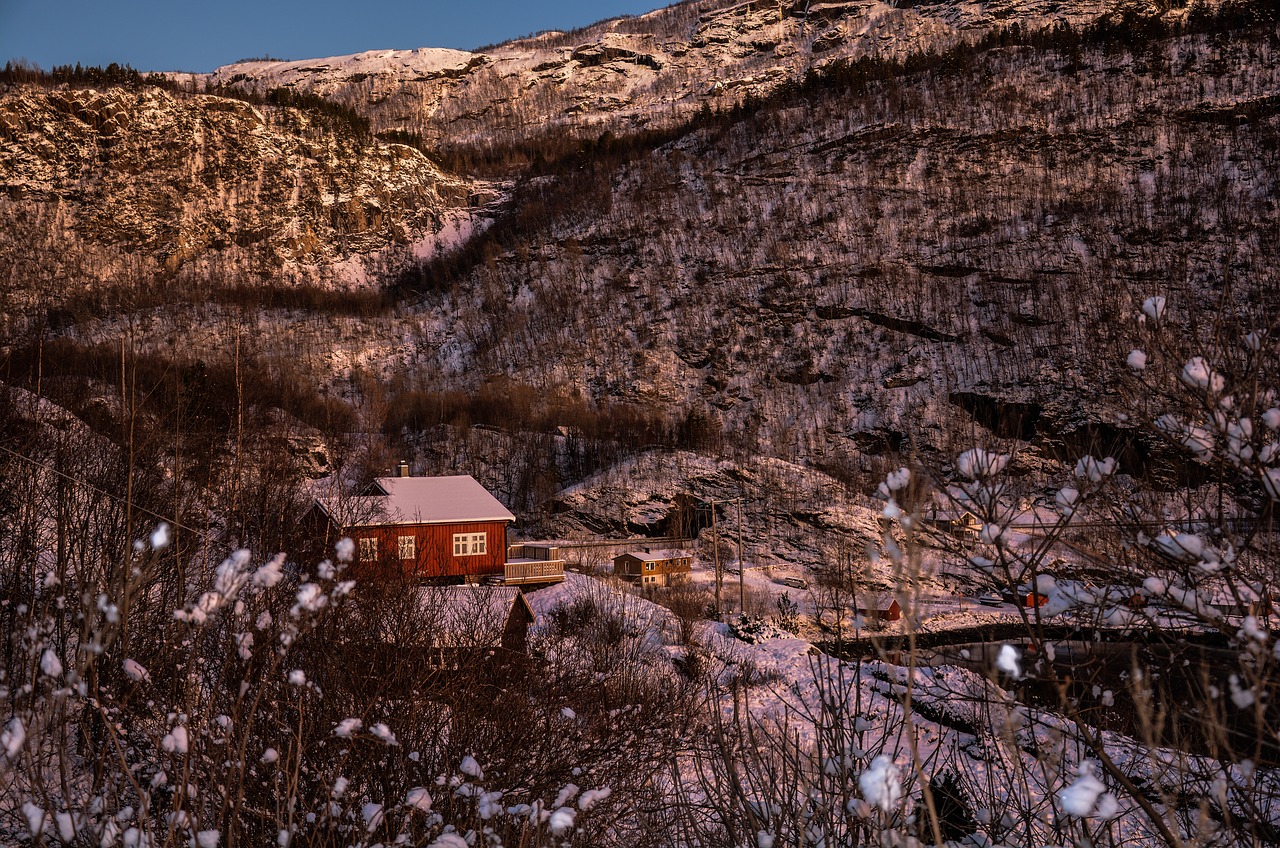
754	629
1153	307
1087	796
881	784
135	672
980	464
1009	662
12	738
50	664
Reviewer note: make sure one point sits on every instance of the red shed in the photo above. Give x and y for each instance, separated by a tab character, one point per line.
425	527
877	608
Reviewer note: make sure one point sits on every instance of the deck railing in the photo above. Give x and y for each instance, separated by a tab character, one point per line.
533	571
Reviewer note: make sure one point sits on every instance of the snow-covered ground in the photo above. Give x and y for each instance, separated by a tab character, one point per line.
1029	781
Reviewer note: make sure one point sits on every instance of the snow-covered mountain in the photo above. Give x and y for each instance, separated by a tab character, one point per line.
682	275
649	70
177	179
864	262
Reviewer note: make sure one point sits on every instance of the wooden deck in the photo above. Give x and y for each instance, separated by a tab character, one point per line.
517	572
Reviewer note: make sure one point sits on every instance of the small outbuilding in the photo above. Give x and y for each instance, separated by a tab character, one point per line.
426	636
477	618
965	527
879	608
653	568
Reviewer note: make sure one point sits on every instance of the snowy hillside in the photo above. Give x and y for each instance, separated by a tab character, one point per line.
649	70
791	515
830	283
325	75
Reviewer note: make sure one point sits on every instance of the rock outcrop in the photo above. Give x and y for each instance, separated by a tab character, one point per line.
175	178
648	70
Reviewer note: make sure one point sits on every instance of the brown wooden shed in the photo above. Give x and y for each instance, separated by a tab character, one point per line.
434	636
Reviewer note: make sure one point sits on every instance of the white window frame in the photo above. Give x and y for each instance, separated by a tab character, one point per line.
470	544
408	547
369	549
648	566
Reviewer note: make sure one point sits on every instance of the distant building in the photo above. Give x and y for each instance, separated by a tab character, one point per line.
478	618
879	608
964	527
653	568
440	529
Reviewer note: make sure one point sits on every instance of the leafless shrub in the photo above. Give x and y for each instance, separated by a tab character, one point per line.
688	603
285	705
1181	580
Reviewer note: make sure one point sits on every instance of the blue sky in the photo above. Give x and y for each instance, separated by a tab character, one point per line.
182	35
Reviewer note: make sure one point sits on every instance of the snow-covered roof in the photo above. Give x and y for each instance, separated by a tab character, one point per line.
469	616
419	500
655	556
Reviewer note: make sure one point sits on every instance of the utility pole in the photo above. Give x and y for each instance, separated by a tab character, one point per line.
742	566
715	552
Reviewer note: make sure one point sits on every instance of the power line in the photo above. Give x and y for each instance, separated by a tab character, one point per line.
94	488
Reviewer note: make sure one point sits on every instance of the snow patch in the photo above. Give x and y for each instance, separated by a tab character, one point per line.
881	784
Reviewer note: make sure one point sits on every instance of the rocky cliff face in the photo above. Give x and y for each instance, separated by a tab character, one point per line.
171	179
126	181
649	70
851	273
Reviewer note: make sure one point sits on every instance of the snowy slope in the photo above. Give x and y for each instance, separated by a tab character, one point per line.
319	74
648	70
1017	764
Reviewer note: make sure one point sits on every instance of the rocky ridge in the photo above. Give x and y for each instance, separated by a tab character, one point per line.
649	70
878	271
128	181
172	179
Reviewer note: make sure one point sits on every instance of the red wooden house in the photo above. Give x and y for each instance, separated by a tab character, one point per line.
446	529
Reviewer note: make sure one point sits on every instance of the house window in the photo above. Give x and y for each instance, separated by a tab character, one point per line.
407	548
648	579
470	544
368	550
648	566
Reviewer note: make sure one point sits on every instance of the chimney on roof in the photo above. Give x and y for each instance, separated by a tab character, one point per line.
404	468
